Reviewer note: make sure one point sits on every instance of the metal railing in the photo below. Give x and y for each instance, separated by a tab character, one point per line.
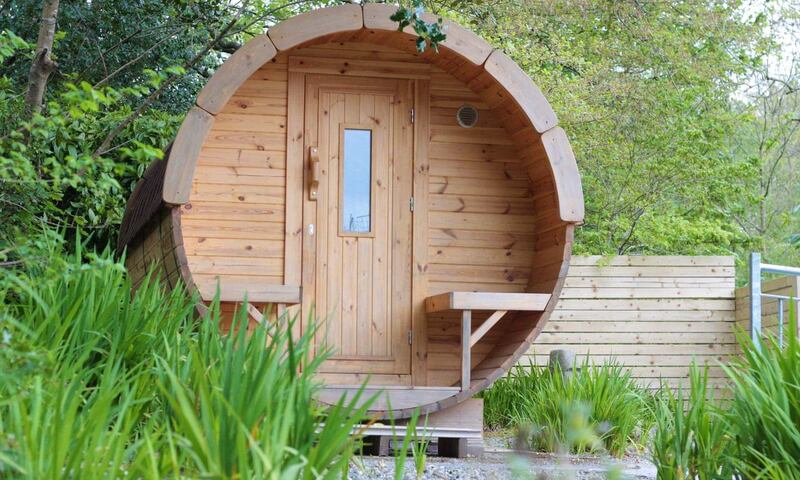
757	269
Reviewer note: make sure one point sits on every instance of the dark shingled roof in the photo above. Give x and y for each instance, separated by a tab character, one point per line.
144	202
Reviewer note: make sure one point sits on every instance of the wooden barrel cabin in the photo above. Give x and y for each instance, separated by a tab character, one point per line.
422	206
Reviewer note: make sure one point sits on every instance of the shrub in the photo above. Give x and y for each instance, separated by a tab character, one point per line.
133	385
596	408
690	441
764	413
755	433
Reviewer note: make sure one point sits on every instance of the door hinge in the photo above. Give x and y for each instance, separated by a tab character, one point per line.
410	336
411	204
413	115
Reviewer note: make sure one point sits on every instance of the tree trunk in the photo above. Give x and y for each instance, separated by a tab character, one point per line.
42	65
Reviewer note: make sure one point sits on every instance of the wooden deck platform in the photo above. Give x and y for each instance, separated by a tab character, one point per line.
456	431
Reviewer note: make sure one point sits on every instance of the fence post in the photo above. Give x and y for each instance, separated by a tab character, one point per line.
755	299
780	323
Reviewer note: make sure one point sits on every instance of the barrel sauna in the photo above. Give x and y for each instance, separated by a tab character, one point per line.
421	205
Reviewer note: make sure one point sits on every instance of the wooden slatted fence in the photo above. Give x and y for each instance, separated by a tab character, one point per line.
653	314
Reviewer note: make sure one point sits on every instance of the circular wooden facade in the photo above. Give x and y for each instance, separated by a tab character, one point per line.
488	208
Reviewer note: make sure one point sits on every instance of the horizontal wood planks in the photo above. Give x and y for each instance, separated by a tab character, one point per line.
650	313
480	202
234	223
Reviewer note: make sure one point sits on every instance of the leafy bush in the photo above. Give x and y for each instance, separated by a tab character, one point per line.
51	169
690	441
764	413
133	385
755	433
595	408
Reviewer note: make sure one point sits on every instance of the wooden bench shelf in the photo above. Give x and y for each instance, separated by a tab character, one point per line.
279	295
487	301
466	302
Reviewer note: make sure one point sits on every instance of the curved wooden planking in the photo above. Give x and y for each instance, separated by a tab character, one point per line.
522	90
314	24
565	175
238	68
349	18
459	40
499	80
184	155
524	327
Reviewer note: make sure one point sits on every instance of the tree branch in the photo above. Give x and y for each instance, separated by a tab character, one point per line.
42	65
104	146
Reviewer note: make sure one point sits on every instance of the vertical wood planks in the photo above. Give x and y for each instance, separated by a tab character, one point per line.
466	331
295	167
419	281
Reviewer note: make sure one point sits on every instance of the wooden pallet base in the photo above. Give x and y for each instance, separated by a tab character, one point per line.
455	432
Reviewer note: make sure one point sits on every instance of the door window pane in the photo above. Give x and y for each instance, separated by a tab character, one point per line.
357	181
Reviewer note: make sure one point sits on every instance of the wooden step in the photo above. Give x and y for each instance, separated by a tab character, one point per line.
398	397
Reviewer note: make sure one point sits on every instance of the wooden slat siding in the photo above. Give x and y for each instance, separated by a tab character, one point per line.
489	216
788	286
478	213
650	313
235	224
481	233
420	242
159	246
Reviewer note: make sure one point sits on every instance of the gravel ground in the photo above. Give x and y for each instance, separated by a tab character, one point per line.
500	463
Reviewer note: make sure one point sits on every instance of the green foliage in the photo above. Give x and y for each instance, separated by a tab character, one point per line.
753	434
10	44
647	92
415	441
644	92
764	413
427	32
595	408
690	441
49	171
134	386
419	450
114	42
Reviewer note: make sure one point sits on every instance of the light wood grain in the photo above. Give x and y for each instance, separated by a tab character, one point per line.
485	219
316	23
616	309
484	328
486	301
183	156
363	282
522	90
359	68
231	74
459	40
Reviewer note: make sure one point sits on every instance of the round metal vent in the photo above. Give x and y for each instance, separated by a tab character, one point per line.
467	116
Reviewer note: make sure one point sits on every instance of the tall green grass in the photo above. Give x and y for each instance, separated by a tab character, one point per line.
753	431
106	384
689	440
764	413
596	408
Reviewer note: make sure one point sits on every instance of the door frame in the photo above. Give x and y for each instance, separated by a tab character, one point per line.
300	247
398	237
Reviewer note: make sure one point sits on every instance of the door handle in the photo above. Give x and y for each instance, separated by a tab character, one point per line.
313	173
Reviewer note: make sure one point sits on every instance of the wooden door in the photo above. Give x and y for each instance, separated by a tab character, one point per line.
358	224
